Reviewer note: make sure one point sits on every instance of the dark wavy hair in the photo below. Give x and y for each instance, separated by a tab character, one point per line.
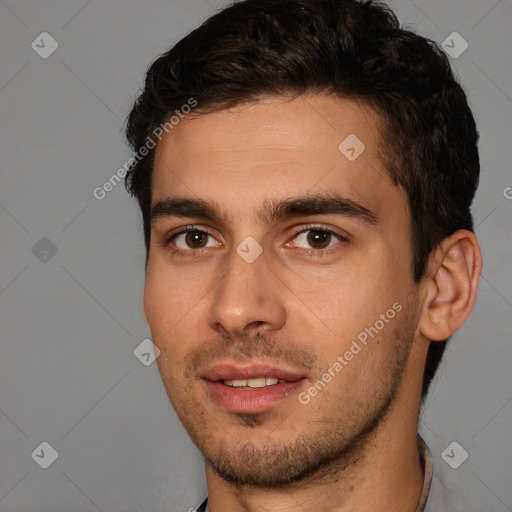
345	48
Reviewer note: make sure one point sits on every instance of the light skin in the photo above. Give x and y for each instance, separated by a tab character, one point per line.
222	177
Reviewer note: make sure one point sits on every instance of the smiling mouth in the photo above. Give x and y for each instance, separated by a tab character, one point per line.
258	382
250	390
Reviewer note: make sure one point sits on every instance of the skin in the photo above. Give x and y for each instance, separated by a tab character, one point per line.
299	305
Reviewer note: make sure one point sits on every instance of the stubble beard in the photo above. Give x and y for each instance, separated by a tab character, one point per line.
329	445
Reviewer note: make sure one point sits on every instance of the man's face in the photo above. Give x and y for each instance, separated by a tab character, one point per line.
254	277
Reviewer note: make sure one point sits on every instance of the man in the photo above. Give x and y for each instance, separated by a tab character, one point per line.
310	250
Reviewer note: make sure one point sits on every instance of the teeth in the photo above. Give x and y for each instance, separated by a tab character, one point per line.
259	382
256	383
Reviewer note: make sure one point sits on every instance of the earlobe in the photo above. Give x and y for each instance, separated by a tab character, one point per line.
451	286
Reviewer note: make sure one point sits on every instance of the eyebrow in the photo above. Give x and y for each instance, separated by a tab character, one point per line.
272	211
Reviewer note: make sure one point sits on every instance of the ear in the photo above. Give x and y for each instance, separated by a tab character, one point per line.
450	287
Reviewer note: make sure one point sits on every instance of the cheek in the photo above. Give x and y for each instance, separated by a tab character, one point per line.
159	304
175	305
350	301
169	297
346	296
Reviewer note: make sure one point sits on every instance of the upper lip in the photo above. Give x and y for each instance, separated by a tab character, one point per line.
231	371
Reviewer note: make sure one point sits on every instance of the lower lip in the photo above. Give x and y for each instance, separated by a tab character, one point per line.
255	400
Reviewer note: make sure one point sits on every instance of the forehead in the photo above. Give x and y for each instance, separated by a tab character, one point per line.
276	148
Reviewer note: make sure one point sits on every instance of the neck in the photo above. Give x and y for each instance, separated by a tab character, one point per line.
384	471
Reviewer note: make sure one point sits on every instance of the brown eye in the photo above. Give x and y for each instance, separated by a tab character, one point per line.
319	239
316	238
192	239
196	239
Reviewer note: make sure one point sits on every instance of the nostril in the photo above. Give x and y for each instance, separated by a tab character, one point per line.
256	324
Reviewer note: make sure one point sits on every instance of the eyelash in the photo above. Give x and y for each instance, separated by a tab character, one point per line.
185	230
311	227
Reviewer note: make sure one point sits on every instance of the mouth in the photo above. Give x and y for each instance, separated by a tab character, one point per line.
250	388
255	383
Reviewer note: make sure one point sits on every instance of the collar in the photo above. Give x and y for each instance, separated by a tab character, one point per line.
426	462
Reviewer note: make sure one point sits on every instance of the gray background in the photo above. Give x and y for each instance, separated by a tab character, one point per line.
70	321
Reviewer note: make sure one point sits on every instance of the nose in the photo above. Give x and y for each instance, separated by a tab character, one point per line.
248	298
